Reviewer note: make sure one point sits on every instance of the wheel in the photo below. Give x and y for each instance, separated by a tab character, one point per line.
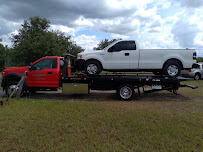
92	68
172	68
10	87
197	76
126	92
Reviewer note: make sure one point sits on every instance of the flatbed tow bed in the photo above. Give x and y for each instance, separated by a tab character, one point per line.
123	84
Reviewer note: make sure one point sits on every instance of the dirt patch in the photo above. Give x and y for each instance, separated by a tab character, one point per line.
163	100
108	96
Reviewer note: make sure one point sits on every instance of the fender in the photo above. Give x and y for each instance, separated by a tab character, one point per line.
12	76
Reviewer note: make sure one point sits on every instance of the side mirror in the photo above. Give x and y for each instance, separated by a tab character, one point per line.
30	66
111	49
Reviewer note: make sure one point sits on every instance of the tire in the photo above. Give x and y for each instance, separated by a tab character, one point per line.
197	76
172	68
92	68
10	87
126	92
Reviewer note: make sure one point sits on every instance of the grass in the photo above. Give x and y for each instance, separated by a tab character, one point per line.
160	125
193	93
42	125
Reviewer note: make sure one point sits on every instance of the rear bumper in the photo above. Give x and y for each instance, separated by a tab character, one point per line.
189	75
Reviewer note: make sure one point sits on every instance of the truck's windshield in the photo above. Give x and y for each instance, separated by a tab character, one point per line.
110	44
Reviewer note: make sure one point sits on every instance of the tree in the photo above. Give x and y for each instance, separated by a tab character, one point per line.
2	56
104	43
199	59
34	40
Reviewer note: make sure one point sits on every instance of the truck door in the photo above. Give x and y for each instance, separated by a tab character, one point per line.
44	73
119	56
134	55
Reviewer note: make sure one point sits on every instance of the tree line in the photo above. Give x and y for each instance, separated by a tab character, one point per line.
34	40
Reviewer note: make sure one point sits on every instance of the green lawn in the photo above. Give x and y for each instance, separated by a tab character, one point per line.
193	93
41	125
144	124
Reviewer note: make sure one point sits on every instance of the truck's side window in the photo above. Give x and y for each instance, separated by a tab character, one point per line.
124	45
45	64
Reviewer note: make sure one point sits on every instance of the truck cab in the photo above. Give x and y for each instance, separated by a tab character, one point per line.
43	74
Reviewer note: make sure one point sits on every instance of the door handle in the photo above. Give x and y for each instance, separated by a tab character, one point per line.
49	72
127	54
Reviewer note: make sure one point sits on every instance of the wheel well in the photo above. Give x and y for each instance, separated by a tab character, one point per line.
12	77
198	74
176	60
96	61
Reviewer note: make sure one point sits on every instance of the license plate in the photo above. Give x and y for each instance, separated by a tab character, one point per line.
156	87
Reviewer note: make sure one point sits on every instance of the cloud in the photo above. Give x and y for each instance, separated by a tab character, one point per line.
7	26
118	36
198	40
64	29
65	11
81	21
185	32
7	39
122	26
189	3
87	42
156	24
146	14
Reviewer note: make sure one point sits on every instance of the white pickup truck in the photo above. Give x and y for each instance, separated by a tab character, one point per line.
125	55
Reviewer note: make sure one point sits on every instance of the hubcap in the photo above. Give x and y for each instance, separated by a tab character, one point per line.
92	69
11	88
172	70
197	77
125	92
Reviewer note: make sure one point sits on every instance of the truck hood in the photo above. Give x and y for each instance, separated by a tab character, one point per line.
91	52
87	53
19	70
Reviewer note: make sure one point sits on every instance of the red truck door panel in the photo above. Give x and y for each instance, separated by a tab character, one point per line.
44	73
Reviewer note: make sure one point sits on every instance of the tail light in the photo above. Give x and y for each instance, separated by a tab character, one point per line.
190	70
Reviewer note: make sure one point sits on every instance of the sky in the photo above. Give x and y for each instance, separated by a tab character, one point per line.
163	24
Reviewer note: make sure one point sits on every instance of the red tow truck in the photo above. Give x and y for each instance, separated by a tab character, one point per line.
50	73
